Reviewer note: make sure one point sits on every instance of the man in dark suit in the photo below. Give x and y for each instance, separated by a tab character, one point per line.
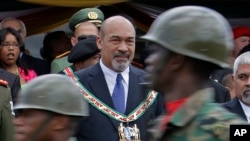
234	106
221	93
138	106
38	65
13	82
241	78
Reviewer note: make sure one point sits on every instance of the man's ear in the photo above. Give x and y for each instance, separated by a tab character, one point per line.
73	40
60	122
233	77
99	42
176	62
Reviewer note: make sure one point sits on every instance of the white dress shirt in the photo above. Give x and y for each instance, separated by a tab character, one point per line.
110	77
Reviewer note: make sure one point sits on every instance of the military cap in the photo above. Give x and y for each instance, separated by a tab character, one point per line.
83	50
93	15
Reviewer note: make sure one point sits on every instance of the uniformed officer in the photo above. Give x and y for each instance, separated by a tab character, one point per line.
49	108
6	114
85	22
85	53
187	44
93	15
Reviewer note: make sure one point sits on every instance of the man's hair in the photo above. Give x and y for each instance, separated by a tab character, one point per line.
15	19
242	59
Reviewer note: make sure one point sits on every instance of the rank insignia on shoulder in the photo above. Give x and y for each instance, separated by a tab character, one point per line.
3	83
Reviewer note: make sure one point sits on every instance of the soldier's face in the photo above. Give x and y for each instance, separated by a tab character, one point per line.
88	62
86	29
155	66
28	123
242	83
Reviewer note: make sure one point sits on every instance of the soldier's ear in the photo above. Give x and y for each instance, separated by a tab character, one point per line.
73	40
176	62
60	122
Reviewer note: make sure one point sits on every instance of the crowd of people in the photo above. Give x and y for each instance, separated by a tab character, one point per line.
194	85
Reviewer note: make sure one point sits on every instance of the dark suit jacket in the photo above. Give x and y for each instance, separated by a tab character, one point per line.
100	127
235	107
13	81
38	65
221	93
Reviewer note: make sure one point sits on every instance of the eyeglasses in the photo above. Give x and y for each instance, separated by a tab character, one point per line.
7	45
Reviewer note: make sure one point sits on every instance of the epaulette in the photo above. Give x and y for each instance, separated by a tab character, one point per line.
3	83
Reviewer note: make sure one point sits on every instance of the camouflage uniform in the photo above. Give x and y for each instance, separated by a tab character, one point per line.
199	119
6	116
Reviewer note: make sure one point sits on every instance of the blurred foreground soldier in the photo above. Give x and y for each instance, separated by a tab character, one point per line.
48	109
6	114
187	44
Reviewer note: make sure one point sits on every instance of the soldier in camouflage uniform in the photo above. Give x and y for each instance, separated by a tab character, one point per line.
187	44
6	114
48	109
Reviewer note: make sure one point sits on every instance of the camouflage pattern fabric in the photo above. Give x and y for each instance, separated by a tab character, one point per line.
199	119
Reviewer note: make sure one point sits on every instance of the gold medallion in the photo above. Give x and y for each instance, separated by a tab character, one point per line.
127	133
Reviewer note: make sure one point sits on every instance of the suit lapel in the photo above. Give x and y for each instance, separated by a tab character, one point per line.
100	89
236	108
99	86
135	94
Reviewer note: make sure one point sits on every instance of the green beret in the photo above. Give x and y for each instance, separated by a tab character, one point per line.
93	15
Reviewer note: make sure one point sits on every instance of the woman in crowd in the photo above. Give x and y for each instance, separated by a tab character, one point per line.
11	45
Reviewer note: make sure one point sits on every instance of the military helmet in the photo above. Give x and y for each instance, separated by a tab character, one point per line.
194	31
55	93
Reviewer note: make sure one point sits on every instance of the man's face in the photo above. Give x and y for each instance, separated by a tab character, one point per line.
242	83
239	43
89	62
86	29
155	64
16	25
117	45
28	123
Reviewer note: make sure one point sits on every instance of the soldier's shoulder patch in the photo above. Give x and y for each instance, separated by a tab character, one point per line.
3	83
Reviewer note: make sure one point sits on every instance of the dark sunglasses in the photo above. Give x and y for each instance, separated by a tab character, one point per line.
82	37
